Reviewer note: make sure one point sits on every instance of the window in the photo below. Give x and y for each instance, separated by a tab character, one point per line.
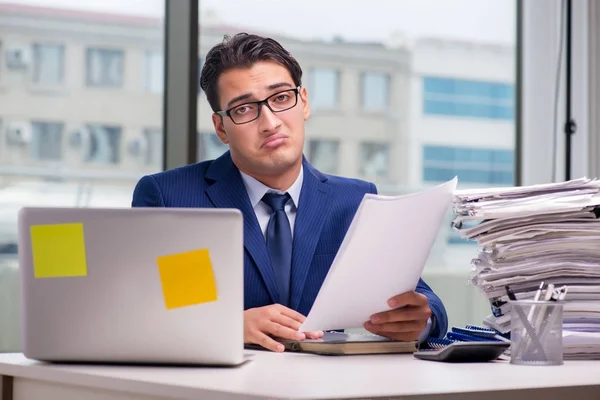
48	63
104	144
46	140
468	98
384	80
324	87
477	166
374	159
210	146
324	155
375	91
105	67
154	71
69	150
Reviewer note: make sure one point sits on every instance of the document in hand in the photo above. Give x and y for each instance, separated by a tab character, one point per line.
382	255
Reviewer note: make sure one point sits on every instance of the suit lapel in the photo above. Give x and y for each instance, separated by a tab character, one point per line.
228	191
313	206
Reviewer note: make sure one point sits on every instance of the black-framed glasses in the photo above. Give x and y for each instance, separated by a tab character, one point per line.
277	102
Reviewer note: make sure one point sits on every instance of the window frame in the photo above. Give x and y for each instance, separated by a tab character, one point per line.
536	66
364	89
180	95
61	126
103	82
35	70
312	91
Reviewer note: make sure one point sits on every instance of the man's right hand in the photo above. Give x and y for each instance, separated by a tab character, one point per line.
274	320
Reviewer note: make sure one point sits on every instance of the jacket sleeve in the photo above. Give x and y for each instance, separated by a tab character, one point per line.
147	193
439	317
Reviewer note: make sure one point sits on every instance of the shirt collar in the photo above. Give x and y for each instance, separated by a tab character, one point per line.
256	190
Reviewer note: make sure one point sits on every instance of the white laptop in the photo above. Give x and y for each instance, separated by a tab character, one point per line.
139	285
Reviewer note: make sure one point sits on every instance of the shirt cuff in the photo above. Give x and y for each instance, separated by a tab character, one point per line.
425	334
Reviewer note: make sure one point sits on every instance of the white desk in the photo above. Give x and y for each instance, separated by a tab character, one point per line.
298	376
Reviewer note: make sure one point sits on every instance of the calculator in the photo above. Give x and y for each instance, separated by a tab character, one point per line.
464	352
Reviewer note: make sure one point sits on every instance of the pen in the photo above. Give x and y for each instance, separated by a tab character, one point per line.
539	292
541	317
512	297
505	337
484	333
463	337
549	319
510	293
536	298
549	291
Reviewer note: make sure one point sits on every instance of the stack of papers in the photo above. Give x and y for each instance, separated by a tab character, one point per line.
541	233
581	345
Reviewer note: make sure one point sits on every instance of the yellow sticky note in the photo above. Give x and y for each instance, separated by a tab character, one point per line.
187	278
58	250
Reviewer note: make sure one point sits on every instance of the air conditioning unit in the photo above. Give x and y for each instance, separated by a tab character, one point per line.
18	133
79	137
137	147
18	57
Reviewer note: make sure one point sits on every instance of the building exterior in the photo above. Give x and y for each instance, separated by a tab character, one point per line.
78	92
83	91
462	113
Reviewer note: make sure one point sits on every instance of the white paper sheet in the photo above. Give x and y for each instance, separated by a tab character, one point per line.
383	254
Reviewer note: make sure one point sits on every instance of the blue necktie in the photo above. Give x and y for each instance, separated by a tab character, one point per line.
279	243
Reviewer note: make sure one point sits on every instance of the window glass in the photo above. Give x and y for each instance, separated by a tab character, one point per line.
324	87
48	63
105	67
445	81
375	91
63	140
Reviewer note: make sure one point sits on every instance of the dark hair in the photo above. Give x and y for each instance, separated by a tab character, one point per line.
242	51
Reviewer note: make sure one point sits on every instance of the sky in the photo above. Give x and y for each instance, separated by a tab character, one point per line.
372	20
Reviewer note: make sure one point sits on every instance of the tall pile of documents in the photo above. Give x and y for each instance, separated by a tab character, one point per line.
527	235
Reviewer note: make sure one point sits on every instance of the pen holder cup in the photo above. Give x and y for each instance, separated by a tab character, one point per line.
536	332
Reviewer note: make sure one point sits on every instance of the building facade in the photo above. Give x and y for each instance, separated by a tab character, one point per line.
82	91
77	93
462	113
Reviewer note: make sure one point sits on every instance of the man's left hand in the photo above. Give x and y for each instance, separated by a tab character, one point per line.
406	321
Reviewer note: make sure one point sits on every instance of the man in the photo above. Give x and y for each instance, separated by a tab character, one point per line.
295	217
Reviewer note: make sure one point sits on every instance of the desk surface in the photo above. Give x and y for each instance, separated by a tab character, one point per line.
302	376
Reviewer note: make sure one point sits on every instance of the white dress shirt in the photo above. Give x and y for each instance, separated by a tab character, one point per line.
256	190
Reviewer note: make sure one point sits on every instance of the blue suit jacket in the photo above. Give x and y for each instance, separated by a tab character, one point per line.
327	206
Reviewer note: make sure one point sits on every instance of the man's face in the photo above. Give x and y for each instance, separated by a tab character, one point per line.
272	143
